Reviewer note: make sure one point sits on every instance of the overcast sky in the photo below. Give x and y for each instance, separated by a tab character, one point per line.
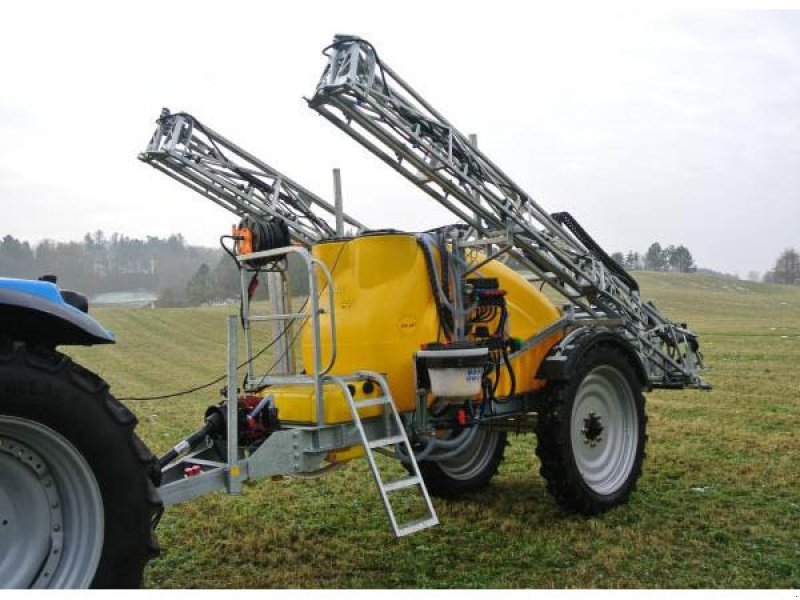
677	127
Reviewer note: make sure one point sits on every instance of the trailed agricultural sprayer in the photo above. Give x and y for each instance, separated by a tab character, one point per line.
426	348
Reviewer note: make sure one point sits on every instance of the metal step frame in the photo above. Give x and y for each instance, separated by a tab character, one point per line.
393	435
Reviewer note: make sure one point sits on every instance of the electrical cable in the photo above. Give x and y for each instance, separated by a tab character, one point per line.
253	281
511	375
223	376
205	385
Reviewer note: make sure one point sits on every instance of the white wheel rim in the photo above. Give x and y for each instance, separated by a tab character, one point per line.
604	430
473	459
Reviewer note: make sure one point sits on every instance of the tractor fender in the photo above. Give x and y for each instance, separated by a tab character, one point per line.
562	361
36	312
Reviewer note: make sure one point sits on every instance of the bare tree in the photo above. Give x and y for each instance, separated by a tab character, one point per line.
633	261
787	268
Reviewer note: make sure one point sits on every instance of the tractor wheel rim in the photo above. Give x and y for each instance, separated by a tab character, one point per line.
604	430
51	509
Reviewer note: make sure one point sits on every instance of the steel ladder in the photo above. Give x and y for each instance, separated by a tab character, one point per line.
395	434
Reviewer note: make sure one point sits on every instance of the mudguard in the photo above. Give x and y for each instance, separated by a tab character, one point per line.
35	312
562	360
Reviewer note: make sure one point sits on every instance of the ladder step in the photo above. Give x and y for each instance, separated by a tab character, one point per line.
392	424
387	441
371	402
417	525
399	484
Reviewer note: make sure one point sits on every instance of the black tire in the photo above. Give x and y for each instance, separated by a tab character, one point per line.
468	471
591	438
44	391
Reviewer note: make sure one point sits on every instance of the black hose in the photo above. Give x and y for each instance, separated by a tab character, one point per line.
511	375
445	316
214	423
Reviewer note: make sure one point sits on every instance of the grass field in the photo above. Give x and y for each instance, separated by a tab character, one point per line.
718	505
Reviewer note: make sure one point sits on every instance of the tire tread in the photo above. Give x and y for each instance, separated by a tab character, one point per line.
38	372
564	482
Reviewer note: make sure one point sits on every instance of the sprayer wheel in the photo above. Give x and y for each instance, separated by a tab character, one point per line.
592	436
469	470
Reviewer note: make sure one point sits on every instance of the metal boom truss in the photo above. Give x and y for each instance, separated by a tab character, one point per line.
215	167
366	99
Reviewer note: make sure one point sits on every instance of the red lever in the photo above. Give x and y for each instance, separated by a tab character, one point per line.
192	471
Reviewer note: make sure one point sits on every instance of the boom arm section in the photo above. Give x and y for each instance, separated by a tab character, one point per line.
366	99
215	167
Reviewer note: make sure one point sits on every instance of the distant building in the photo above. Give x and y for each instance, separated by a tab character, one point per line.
131	299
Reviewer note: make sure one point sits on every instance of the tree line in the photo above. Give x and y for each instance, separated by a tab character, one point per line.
100	263
178	273
786	269
656	258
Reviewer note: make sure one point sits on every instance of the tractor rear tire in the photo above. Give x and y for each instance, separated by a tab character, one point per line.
591	437
470	470
78	502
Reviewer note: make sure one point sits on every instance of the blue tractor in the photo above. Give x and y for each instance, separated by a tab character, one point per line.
78	498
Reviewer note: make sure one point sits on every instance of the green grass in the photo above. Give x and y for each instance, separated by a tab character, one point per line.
718	505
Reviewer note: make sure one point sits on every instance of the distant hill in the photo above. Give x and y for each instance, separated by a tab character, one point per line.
722	303
713	298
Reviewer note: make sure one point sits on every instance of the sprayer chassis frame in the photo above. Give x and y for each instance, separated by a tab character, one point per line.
298	449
